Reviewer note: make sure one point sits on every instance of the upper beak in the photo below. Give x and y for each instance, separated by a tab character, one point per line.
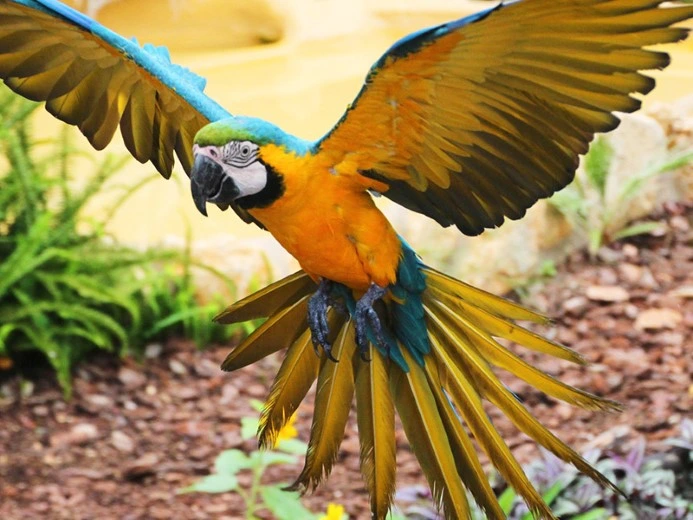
209	183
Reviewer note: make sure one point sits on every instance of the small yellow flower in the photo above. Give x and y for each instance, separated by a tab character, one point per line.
334	512
288	431
5	363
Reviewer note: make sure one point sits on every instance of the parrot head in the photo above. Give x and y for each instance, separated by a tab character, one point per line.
228	165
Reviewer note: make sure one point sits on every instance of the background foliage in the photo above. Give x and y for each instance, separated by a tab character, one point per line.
66	288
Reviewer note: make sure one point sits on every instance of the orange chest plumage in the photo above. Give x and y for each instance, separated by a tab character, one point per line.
329	223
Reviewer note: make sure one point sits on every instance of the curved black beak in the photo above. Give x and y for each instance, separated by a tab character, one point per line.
209	183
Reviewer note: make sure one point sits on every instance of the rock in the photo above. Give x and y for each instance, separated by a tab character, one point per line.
638	143
609	438
187	393
207	368
177	367
653	319
630	251
79	434
41	411
145	465
229	394
609	256
630	273
99	401
194	428
632	362
679	223
575	305
122	442
201	452
153	350
131	379
685	291
607	293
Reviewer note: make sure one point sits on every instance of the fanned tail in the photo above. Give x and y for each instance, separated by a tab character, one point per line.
447	349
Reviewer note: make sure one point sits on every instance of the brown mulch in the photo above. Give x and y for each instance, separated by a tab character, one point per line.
134	434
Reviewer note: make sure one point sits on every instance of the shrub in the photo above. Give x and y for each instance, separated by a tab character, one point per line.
66	288
656	487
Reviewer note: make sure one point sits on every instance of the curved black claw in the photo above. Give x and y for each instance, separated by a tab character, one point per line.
365	316
317	319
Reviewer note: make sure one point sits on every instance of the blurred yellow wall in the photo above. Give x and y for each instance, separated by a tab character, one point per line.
302	82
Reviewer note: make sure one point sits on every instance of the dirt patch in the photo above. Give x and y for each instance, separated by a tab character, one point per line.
134	434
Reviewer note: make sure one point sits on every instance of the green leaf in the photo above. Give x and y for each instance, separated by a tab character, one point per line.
598	164
284	505
230	462
571	204
268	458
595	514
641	228
507	499
293	446
556	489
596	239
66	290
249	426
212	484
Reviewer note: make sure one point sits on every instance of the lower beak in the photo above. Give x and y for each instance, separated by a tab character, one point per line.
209	183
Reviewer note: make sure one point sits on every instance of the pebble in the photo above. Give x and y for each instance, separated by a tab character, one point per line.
609	438
141	467
99	401
207	368
41	411
607	293
79	434
608	255
131	379
122	442
630	251
679	223
654	319
633	362
685	291
575	305
153	350
631	311
229	394
630	273
177	367
647	280
187	393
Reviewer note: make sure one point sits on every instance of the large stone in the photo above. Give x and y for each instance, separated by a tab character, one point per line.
192	25
639	144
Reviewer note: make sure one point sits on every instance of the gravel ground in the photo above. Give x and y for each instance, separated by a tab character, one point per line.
134	434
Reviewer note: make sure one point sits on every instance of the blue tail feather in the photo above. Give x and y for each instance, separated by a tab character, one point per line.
408	314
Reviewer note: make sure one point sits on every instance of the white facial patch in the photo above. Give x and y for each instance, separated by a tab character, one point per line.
249	180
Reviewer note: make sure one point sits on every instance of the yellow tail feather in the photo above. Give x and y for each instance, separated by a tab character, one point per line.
375	413
333	398
298	372
434	401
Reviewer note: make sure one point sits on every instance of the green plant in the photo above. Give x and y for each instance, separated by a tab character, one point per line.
65	289
654	488
584	202
284	505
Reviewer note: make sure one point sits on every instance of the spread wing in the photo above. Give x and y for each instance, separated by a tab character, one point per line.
97	80
473	121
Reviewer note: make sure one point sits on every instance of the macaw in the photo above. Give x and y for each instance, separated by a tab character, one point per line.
469	122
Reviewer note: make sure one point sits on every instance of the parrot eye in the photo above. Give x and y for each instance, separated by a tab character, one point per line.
240	153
